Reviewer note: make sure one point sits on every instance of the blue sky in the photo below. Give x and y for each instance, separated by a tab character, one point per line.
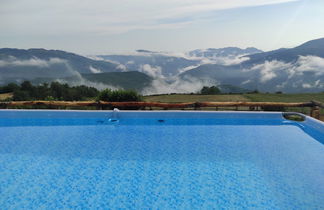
92	27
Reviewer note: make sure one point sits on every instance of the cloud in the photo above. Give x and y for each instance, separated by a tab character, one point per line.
285	76
306	72
269	69
82	81
304	64
187	68
170	84
119	66
41	63
309	64
315	84
226	61
306	85
94	70
171	57
176	85
226	57
122	67
95	57
110	16
152	71
246	82
34	62
79	80
147	53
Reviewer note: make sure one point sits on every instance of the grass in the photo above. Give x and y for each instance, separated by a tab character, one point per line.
302	97
4	96
259	97
178	98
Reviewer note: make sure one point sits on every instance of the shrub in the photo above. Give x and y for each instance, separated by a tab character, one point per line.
49	98
119	95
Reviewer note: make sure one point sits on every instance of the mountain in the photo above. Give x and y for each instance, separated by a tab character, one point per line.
132	80
299	69
152	63
31	63
313	44
40	65
164	64
214	73
310	48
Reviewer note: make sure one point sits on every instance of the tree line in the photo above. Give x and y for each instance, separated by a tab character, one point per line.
26	91
56	91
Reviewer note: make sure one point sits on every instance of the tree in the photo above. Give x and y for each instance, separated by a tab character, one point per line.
11	87
213	90
20	95
119	95
26	86
57	90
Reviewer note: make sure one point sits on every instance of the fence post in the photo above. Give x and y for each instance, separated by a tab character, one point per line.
315	112
99	106
197	106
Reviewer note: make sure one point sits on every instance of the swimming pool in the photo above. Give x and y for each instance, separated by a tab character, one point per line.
166	160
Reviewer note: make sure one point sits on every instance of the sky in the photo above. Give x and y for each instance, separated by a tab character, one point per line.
108	26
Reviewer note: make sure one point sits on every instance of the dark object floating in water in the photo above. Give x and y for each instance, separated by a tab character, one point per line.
113	120
161	121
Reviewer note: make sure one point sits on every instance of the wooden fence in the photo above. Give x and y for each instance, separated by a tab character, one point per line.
313	105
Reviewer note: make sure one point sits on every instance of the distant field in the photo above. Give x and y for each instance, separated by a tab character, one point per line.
194	98
260	97
4	96
304	97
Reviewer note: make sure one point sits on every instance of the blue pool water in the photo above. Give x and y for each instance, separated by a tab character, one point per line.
165	160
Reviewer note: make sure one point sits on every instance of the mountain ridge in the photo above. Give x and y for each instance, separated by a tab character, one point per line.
298	69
